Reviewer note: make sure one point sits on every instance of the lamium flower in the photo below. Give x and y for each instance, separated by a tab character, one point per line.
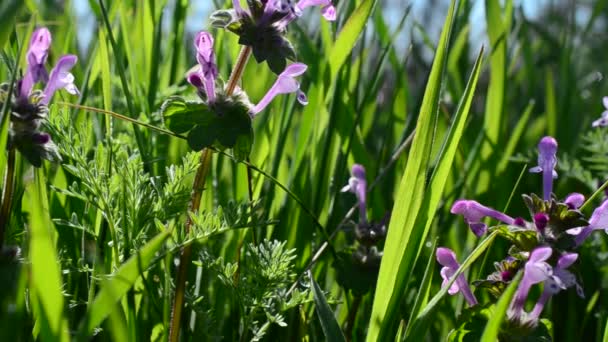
29	106
602	121
447	258
36	56
206	74
61	78
536	270
358	186
285	84
561	279
574	200
598	220
474	212
547	150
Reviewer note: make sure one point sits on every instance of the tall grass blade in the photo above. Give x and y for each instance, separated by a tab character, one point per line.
348	36
400	252
45	271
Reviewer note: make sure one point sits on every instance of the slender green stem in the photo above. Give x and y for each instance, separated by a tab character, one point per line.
7	195
195	201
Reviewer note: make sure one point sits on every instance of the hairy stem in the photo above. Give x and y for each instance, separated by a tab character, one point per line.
195	201
7	195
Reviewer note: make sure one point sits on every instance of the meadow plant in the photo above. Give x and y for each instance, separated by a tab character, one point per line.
166	206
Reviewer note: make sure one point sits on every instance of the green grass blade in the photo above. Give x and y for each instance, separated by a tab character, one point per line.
490	333
331	328
399	253
45	279
498	30
8	14
421	323
348	36
113	289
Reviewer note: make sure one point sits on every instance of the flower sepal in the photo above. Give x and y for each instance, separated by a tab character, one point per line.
496	283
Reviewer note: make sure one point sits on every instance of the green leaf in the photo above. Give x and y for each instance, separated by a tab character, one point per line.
114	288
331	328
490	334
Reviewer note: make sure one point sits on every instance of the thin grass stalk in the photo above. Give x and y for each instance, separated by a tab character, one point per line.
197	191
7	195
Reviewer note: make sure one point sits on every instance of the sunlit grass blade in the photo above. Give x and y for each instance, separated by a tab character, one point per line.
421	323
400	252
490	333
498	29
331	328
348	36
114	288
422	298
45	279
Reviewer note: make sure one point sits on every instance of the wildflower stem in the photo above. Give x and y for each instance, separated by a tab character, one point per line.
184	260
238	70
195	200
7	195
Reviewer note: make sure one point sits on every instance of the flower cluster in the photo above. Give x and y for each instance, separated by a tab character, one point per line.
542	248
29	106
262	26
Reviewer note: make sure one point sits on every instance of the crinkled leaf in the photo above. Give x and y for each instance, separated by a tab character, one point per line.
524	239
223	18
181	116
229	126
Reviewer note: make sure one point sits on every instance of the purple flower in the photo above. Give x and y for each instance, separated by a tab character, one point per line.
36	56
473	212
327	9
561	279
598	220
447	259
547	150
285	84
204	78
540	221
603	121
574	200
358	185
536	270
61	78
